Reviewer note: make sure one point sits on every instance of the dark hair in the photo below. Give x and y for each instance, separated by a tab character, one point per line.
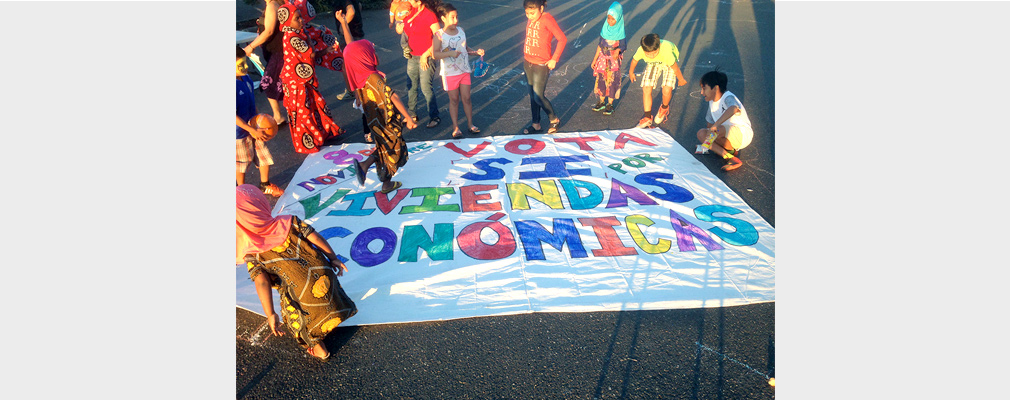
715	79
444	8
240	53
534	3
650	42
431	4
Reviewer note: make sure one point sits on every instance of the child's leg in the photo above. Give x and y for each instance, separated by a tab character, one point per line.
464	91
265	161
534	104
454	108
647	100
275	106
243	156
667	95
240	168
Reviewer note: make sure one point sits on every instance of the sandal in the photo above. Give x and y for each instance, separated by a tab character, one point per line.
456	134
554	126
359	173
529	129
396	185
271	189
474	130
434	122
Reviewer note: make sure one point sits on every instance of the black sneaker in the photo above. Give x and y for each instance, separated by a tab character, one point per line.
600	106
609	109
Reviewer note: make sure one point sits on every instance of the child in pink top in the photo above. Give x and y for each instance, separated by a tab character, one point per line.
541	29
451	49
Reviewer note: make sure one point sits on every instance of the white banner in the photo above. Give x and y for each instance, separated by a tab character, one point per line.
583	221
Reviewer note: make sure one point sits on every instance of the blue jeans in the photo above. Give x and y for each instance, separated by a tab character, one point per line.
423	80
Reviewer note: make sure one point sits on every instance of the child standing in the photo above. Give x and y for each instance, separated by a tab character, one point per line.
607	62
450	49
729	127
249	140
539	60
661	57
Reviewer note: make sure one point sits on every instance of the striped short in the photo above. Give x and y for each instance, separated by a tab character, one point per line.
244	151
652	73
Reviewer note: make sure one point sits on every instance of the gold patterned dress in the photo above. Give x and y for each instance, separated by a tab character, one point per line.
386	126
312	301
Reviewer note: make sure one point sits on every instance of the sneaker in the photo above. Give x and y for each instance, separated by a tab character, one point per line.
600	106
661	115
271	189
608	110
645	122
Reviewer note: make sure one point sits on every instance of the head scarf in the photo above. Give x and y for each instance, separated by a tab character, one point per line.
256	230
360	62
284	17
305	9
615	32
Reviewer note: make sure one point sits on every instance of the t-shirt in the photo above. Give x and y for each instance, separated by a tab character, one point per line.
539	33
245	104
668	54
418	30
355	25
717	108
452	66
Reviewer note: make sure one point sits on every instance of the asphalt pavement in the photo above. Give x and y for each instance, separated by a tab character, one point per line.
711	353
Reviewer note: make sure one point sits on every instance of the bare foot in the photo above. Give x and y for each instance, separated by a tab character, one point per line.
319	351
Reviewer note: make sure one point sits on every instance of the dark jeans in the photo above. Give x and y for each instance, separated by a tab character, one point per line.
423	80
536	77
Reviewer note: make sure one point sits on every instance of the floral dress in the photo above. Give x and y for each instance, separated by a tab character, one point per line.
607	68
386	126
308	115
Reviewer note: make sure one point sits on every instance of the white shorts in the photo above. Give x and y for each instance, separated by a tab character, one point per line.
739	136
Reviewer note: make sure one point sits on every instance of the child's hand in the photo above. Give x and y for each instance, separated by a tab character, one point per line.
339	15
480	52
551	64
631	75
409	122
259	134
681	82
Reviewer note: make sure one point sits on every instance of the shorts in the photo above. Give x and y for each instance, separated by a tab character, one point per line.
451	83
739	136
652	73
244	151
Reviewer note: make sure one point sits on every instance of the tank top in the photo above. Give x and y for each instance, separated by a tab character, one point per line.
452	66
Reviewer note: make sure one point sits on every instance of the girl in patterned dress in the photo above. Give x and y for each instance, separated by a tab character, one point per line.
286	254
607	62
305	46
385	114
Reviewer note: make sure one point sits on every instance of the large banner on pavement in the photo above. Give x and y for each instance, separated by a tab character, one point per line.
582	221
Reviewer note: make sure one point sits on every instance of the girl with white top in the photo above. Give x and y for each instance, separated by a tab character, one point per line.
449	45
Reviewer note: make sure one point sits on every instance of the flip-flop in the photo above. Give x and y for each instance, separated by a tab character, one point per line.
456	134
359	173
529	129
396	185
474	130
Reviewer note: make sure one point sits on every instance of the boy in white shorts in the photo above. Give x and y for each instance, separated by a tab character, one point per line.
729	127
661	58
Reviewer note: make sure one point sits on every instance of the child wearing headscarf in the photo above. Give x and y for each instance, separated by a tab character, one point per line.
286	254
305	46
385	114
607	61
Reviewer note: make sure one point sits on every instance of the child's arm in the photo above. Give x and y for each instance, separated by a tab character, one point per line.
436	43
597	55
403	111
257	133
631	70
559	35
339	15
321	243
262	283
680	76
723	118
